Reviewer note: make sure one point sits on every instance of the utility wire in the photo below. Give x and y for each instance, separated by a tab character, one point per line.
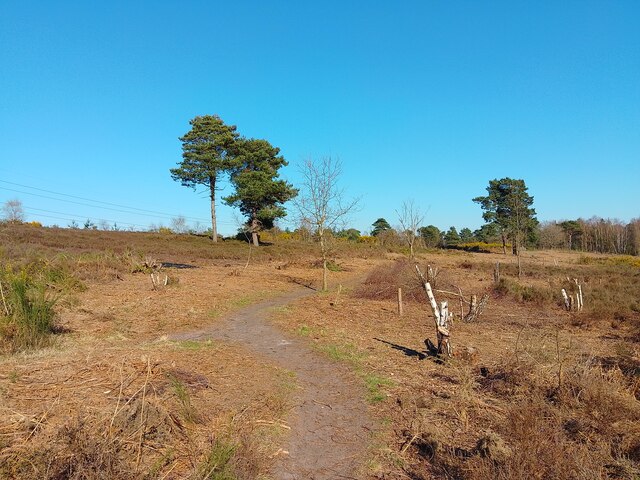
158	215
75	217
97	201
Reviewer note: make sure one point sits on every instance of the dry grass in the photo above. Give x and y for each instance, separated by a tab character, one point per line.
94	254
118	414
534	391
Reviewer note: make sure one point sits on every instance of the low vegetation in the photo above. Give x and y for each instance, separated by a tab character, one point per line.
27	317
533	391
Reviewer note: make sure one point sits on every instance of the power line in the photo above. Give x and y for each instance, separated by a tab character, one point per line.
157	215
75	217
95	201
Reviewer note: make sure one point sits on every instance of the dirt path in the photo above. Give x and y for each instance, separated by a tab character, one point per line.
329	424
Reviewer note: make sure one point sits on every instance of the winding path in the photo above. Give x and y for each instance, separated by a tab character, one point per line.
329	424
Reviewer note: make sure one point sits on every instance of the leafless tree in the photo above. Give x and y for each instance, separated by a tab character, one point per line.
179	224
321	202
551	235
410	218
12	211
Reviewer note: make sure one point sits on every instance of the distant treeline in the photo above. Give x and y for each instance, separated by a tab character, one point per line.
593	235
596	234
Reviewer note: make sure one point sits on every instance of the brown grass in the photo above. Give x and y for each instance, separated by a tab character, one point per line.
533	392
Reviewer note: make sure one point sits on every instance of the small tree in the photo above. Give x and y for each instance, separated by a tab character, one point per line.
12	211
207	151
466	235
430	236
508	206
350	234
451	238
487	233
379	226
551	235
179	224
89	225
410	219
321	203
572	230
259	193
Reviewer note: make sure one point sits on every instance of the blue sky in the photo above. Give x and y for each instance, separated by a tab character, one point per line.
420	100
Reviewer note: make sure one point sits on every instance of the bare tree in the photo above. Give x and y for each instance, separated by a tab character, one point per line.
12	211
321	203
179	224
410	218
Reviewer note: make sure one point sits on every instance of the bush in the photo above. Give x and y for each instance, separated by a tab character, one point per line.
524	293
383	282
481	247
28	315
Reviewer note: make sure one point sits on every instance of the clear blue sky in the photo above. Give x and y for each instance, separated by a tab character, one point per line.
420	100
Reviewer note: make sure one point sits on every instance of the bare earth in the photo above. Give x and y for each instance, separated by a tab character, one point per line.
329	424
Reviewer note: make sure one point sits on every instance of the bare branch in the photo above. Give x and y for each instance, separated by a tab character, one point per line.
410	218
321	204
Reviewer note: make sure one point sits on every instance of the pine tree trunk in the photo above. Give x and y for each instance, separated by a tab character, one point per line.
504	244
214	229
254	232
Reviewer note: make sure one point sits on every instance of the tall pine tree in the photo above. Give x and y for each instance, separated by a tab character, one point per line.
259	193
208	150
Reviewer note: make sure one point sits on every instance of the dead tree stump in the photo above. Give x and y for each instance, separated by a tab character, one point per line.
442	319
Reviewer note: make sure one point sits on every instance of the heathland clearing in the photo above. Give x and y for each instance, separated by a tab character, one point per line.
223	372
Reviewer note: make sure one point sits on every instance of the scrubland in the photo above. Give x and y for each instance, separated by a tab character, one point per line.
93	386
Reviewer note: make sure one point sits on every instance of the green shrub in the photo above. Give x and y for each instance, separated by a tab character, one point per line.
481	247
28	317
523	293
217	463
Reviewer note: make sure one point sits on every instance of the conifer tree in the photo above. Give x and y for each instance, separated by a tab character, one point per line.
208	150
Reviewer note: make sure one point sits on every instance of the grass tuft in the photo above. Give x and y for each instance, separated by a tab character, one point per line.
217	463
28	316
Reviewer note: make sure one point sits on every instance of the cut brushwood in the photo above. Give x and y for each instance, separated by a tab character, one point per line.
476	308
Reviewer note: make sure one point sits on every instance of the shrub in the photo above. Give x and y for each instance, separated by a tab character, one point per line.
524	293
482	247
28	315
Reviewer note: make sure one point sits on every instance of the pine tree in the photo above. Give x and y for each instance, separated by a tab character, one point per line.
208	150
508	207
379	226
259	193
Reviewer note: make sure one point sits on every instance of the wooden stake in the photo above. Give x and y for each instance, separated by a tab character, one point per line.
572	302
579	300
4	302
496	273
567	305
580	296
474	304
400	311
